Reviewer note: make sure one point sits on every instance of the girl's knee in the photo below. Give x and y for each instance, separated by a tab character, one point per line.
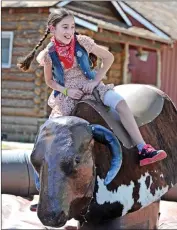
120	107
112	99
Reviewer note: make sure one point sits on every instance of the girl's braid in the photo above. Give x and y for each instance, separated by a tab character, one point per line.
25	63
42	39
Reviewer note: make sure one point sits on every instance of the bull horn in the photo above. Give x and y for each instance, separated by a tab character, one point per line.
105	136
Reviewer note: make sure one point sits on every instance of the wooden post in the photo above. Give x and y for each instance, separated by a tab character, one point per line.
158	84
126	62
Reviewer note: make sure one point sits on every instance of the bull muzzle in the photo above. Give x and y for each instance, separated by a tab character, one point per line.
54	219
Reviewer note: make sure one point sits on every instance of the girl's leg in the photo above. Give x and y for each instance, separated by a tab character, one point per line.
115	101
129	122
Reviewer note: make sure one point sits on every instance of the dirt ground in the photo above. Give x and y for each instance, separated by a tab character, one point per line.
17	215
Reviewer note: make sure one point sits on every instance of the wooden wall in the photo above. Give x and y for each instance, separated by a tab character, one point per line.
24	95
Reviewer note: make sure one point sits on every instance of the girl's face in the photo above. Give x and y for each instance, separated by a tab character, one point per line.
64	30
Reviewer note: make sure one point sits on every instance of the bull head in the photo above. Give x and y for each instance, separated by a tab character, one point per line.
63	158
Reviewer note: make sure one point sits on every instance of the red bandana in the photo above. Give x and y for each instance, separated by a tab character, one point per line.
65	52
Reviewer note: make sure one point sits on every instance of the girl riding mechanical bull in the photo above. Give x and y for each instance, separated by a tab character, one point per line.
68	70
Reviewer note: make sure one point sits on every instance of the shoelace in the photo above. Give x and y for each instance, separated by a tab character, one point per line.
149	148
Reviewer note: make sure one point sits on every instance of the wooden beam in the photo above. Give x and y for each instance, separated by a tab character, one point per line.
90	13
15	69
17	94
109	37
7	128
17	103
158	69
126	62
121	12
18	85
21	112
63	3
20	137
20	120
8	76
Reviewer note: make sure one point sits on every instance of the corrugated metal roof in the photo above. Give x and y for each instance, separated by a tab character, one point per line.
28	3
163	14
133	31
105	11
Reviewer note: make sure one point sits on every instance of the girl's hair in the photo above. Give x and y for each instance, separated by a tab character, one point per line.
53	19
93	59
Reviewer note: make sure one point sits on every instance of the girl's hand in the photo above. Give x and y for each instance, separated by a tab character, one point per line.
89	87
75	93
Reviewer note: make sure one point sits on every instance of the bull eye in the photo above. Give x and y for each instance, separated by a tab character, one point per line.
77	159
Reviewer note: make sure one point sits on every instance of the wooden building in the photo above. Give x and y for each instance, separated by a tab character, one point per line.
24	95
155	15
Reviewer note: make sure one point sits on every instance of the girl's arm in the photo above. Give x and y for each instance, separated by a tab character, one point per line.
73	93
107	58
49	81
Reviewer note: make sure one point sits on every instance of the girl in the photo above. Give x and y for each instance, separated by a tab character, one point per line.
67	71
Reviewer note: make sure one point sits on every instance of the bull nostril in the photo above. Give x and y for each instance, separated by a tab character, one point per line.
62	218
54	219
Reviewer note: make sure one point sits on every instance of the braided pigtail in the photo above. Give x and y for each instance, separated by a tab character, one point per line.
25	63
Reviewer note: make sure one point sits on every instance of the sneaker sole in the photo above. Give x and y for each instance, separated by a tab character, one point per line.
162	155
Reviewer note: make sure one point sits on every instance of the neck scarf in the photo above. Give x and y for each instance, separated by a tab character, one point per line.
65	52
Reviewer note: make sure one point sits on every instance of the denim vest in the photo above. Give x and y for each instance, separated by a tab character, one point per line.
82	60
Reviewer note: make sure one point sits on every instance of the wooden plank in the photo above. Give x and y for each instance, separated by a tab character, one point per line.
103	3
20	120
26	10
22	25
109	37
18	76
126	79
90	13
30	42
29	33
17	94
21	112
20	137
17	103
21	51
7	128
116	66
24	17
97	8
18	85
15	69
159	69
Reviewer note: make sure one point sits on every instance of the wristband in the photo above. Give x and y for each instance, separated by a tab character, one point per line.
65	91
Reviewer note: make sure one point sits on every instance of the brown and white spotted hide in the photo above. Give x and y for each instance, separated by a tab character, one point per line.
135	187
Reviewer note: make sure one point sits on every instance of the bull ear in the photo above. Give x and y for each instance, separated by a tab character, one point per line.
105	136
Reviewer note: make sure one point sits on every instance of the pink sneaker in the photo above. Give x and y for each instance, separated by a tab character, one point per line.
149	155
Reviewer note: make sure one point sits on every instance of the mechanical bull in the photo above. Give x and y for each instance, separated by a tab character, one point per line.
79	160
